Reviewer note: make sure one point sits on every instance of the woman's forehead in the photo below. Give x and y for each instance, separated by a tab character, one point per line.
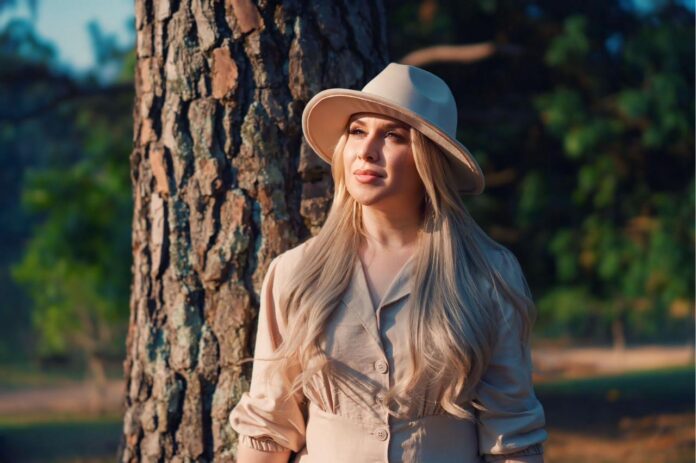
365	117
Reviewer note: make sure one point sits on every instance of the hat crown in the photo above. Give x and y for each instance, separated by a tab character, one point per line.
422	92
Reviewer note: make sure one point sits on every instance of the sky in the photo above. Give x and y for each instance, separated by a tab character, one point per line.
64	23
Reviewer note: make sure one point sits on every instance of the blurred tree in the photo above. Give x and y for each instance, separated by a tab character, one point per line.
581	115
75	262
20	50
222	184
623	111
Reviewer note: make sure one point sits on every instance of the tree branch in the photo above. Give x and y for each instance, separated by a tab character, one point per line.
457	53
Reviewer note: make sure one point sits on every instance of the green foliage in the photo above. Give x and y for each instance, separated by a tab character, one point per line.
74	263
76	194
572	46
22	54
594	118
632	147
575	306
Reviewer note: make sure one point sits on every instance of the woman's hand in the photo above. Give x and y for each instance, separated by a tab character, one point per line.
246	454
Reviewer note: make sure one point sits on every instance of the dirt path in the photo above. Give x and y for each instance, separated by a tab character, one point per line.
70	398
558	363
664	438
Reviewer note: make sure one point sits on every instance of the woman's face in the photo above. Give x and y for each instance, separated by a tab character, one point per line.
382	145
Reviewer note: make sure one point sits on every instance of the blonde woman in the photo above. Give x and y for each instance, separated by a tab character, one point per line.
400	332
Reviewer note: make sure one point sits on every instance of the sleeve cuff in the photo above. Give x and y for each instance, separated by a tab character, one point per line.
264	444
535	449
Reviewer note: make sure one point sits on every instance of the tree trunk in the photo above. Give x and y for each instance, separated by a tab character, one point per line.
618	335
98	382
222	183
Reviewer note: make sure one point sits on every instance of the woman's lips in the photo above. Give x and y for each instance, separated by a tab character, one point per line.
367	178
366	175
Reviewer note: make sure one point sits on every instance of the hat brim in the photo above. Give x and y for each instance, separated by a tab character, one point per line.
325	117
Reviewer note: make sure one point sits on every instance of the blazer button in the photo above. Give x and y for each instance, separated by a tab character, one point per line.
381	434
381	366
379	398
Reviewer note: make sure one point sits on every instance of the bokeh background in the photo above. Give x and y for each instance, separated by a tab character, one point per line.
581	114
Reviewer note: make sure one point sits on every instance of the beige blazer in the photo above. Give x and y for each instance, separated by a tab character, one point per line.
340	417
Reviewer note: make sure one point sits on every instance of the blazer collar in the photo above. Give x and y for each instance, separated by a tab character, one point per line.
359	303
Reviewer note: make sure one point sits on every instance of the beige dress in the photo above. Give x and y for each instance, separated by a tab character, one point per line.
340	417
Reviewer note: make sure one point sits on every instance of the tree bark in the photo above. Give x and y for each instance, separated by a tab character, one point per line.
223	182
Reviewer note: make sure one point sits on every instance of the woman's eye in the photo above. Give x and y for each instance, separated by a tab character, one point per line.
354	131
394	135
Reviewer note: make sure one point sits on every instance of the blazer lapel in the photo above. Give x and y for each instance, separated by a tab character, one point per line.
359	304
400	286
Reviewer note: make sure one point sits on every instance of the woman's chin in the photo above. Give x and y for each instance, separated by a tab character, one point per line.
366	199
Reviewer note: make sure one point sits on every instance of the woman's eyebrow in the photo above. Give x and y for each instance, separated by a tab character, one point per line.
394	125
386	126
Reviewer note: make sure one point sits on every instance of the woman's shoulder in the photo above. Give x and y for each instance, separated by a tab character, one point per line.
503	258
295	253
505	262
287	261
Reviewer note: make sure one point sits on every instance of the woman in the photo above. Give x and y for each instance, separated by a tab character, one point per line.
400	331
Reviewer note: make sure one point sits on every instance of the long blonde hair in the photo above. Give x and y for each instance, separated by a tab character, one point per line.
455	319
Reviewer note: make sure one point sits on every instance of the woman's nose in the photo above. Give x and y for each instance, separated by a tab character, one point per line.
364	154
368	150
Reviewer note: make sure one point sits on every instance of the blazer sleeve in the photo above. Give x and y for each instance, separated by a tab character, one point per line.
511	420
264	418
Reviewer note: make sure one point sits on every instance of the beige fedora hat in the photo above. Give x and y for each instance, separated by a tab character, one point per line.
407	93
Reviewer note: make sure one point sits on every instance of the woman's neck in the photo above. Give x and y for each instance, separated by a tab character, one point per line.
390	231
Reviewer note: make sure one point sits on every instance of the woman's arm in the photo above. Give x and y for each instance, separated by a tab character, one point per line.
248	455
266	418
511	426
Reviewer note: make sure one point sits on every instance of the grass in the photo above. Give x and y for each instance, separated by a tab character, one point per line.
60	439
645	381
596	405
